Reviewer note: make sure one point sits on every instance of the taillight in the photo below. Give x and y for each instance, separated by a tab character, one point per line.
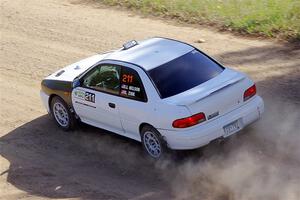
250	92
189	121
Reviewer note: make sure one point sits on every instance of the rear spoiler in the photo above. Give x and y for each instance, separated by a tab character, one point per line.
216	89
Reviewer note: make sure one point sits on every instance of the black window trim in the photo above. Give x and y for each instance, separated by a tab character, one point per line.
143	69
101	63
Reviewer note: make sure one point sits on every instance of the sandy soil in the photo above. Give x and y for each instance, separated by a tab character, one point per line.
39	161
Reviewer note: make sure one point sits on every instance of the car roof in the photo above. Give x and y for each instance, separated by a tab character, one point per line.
151	53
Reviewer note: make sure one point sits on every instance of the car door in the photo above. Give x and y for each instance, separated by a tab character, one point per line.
133	105
94	101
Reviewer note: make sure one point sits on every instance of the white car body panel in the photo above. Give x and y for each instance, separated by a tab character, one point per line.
132	113
202	134
98	112
158	51
222	95
45	100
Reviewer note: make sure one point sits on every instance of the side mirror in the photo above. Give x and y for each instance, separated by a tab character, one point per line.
76	83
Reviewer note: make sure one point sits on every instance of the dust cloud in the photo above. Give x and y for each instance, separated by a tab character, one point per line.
262	162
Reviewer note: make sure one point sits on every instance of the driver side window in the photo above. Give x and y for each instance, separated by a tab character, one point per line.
104	78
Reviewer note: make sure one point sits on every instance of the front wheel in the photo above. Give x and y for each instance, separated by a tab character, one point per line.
61	113
152	142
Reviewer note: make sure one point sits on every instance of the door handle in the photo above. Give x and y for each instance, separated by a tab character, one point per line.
112	105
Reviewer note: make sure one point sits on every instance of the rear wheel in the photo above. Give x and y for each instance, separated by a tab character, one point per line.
152	142
61	114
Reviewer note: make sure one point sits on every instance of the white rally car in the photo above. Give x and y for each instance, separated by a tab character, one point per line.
160	92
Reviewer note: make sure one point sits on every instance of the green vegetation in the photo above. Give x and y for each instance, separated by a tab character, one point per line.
272	18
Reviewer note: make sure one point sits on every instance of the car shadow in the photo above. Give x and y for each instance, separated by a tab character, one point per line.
88	163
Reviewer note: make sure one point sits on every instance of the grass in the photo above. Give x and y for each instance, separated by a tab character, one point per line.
271	18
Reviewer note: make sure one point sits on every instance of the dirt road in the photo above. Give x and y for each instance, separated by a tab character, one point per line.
38	161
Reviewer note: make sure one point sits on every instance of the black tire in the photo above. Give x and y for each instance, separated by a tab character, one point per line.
69	117
157	139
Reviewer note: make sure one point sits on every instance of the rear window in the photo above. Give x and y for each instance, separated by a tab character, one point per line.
184	73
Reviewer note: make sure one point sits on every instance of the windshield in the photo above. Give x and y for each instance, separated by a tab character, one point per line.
184	73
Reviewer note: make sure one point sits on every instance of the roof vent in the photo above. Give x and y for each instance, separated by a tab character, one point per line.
77	67
59	73
130	44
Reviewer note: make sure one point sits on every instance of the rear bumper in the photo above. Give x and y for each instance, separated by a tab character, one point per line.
203	134
45	100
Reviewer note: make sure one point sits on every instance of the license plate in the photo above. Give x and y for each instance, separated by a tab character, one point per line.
232	128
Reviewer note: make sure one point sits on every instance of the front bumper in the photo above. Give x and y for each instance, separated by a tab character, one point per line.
45	100
203	134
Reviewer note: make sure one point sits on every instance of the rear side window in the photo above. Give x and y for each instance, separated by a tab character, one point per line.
184	73
131	85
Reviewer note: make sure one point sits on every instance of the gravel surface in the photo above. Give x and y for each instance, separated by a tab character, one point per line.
39	161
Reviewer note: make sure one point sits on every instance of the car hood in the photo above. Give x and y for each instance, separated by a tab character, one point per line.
70	72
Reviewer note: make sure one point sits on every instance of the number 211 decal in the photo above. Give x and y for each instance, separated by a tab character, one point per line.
126	78
89	97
